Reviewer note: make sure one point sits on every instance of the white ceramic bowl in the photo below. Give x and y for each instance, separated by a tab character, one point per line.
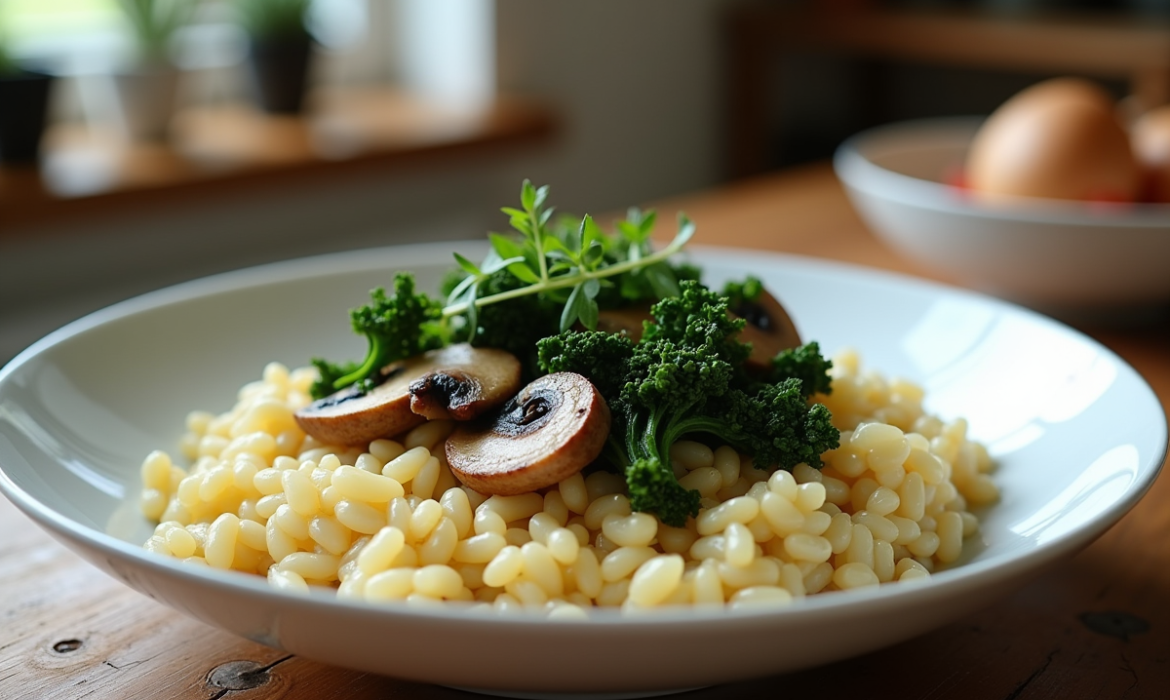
1079	436
1052	254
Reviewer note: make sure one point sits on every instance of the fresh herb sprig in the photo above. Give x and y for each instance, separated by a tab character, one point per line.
548	270
558	260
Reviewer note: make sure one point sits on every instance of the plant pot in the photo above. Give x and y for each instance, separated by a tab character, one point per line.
279	68
24	101
144	101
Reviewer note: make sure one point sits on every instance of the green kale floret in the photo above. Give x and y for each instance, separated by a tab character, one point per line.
684	377
697	318
742	293
602	357
516	324
396	327
806	364
773	423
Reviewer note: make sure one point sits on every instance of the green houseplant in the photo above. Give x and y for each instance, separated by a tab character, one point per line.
146	87
154	23
24	100
279	51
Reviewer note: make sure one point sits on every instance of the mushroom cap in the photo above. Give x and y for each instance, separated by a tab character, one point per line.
463	383
628	319
552	429
769	329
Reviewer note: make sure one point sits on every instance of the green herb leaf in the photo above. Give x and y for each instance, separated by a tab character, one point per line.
572	310
472	310
517	255
630	232
662	280
528	196
552	244
541	196
467	265
505	246
646	225
590	233
460	291
588	311
568	264
500	264
573	238
686	229
524	273
593	255
521	224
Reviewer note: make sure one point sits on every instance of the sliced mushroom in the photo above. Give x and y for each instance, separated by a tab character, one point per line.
769	329
552	429
628	320
468	382
457	381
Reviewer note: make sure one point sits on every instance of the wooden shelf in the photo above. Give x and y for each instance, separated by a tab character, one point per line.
1131	48
224	149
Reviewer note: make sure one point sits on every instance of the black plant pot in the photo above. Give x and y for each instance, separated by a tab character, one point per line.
24	101
280	68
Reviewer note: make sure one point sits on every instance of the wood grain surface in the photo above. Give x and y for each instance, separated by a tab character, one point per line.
1096	626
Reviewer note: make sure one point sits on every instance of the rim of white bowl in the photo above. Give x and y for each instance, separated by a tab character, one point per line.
853	165
943	584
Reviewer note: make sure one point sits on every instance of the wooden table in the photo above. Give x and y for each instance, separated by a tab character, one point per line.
1098	626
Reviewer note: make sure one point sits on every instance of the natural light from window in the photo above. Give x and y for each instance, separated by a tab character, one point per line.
442	49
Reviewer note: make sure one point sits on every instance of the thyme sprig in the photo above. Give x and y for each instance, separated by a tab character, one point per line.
549	259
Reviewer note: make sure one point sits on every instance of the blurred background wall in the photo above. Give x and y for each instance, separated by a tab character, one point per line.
639	93
635	89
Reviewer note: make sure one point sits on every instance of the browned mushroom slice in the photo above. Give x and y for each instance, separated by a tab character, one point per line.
467	381
349	417
769	329
628	320
552	429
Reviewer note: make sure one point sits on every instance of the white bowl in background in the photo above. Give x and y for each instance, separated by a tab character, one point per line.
1050	254
1078	435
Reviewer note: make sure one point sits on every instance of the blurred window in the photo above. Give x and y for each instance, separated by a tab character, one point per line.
50	32
441	49
82	36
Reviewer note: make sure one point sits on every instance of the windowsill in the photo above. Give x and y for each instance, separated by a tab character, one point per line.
216	151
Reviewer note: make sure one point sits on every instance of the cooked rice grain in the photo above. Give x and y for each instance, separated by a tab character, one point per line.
391	523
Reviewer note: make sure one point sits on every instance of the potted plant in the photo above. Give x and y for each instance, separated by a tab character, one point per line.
279	51
24	99
146	88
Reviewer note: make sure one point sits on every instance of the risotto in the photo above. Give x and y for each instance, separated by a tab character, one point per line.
391	523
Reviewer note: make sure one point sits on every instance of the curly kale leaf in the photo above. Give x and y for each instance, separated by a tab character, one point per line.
806	364
396	326
686	377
